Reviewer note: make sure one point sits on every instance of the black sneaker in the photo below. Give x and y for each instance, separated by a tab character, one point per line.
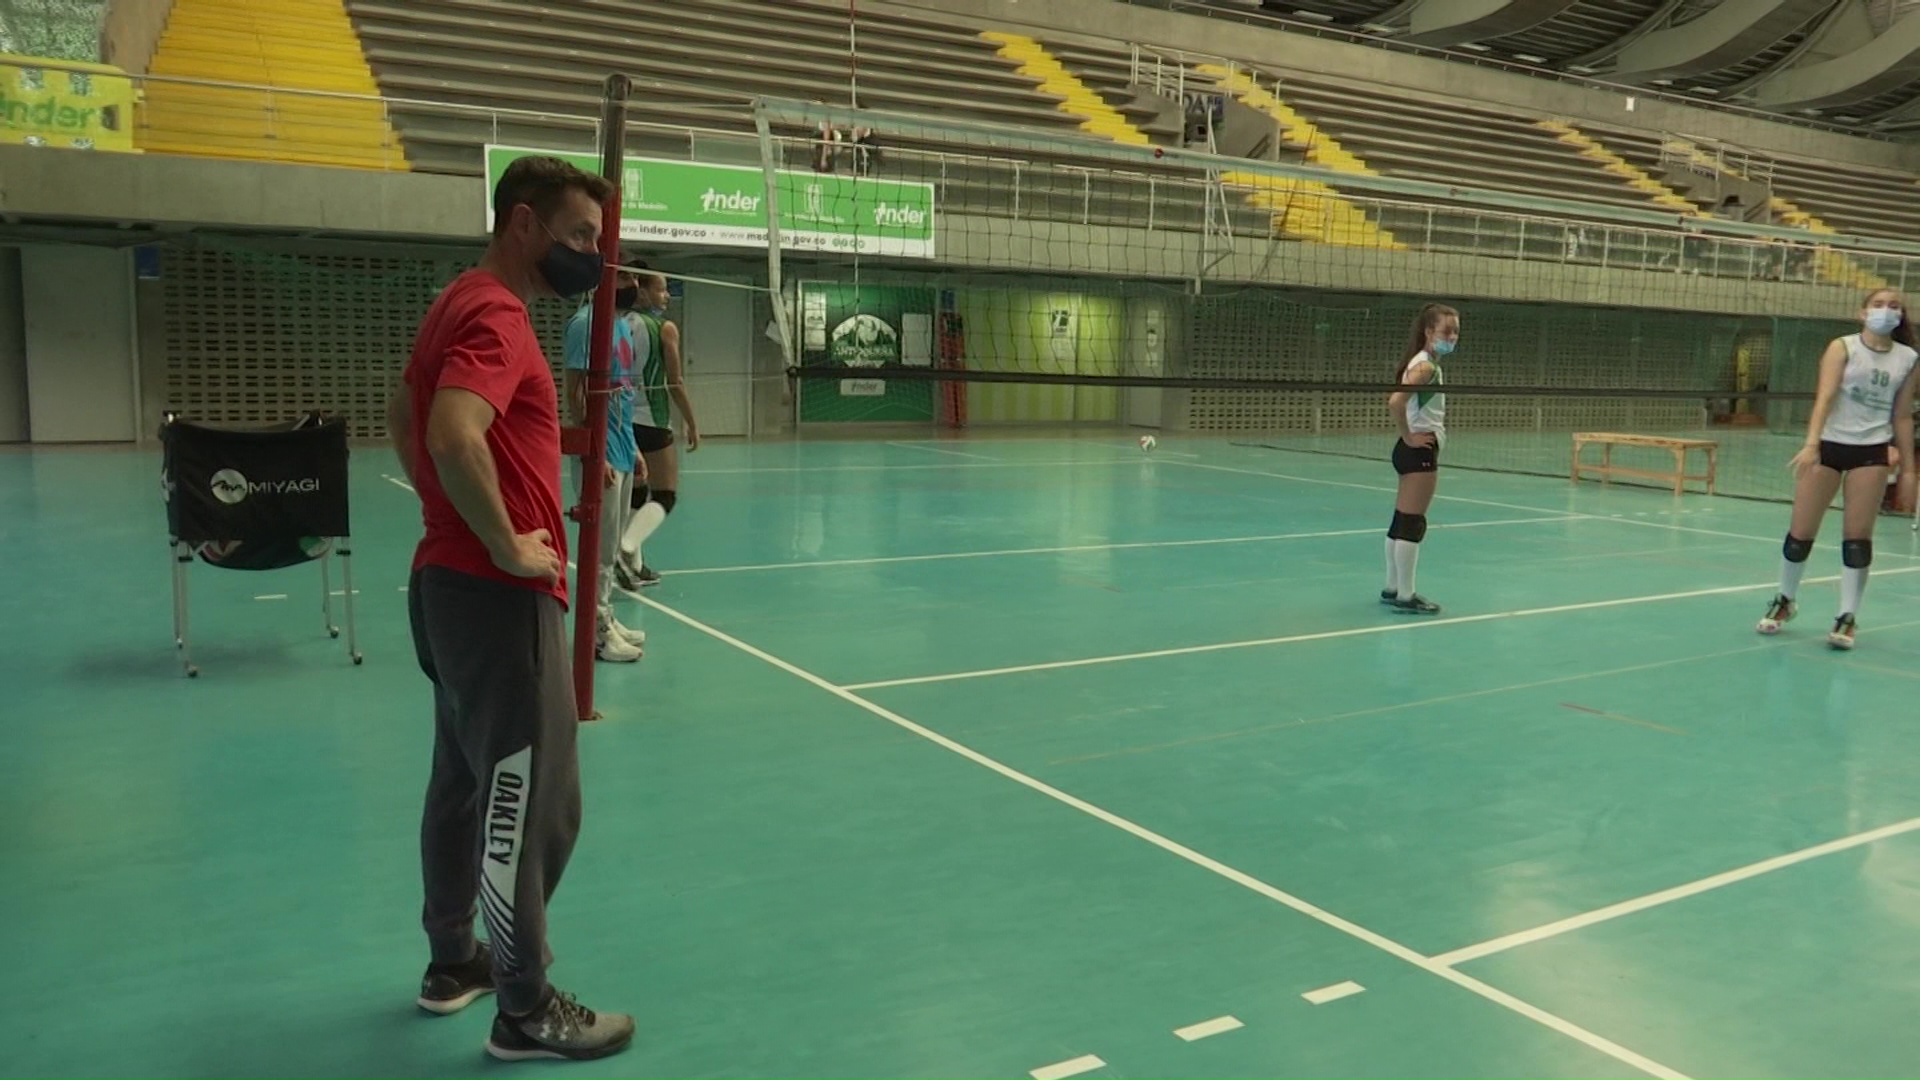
624	579
1416	605
647	577
445	990
562	1028
1388	596
1841	636
1780	612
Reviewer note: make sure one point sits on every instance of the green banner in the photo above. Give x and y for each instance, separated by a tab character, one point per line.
844	328
692	202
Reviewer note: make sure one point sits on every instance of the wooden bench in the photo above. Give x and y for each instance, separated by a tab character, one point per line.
1679	477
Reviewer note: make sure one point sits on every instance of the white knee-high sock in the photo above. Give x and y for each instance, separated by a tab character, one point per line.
1853	582
639	527
1393	569
1790	574
1406	554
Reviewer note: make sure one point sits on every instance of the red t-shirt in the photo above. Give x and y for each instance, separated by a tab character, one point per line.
478	337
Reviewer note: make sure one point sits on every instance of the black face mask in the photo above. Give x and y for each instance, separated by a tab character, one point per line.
568	272
626	297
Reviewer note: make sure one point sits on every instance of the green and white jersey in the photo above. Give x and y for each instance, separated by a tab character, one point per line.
1862	413
1427	409
650	406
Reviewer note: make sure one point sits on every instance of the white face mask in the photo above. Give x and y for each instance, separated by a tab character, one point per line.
1883	320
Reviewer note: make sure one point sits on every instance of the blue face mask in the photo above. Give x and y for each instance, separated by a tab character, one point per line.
1441	347
1882	320
568	272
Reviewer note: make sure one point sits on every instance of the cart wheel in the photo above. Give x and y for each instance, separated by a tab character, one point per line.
192	672
333	631
357	658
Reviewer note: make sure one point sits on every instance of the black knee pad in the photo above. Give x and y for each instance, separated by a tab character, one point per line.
1856	554
1796	549
666	498
1409	527
640	495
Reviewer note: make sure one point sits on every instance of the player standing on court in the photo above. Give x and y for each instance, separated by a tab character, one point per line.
662	377
613	642
1421	416
1863	405
476	422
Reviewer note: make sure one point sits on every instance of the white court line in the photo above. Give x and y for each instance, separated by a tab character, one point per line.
939	450
1070	548
1333	993
1405	624
1205	1029
828	468
397	482
1064	1069
1172	847
1679	892
1511	506
271	596
1421	703
1370	487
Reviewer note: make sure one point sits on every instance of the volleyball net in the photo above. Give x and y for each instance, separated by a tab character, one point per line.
952	275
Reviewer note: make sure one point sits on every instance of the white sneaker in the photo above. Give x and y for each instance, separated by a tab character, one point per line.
614	649
635	638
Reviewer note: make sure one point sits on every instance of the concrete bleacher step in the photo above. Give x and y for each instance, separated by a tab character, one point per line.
563	28
1465	146
289	46
714	67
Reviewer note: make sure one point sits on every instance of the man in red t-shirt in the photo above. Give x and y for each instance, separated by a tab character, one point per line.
477	427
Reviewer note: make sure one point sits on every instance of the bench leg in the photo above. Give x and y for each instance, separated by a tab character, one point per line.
1606	464
1679	472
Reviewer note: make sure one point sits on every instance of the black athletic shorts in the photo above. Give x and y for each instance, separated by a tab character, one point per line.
652	440
1842	457
1415	459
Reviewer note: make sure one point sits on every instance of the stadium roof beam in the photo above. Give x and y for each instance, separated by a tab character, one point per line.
1807	43
1452	22
1902	117
1888	62
1731	32
1612	48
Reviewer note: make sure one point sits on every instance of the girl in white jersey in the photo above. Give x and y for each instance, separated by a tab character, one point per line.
1421	416
1864	404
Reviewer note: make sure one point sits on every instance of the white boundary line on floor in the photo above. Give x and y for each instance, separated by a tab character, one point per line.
943	450
1354	930
1207	1029
1442	497
1404	623
1678	892
1071	548
834	468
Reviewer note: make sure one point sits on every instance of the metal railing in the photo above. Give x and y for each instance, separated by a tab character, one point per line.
1109	193
201	113
1001	186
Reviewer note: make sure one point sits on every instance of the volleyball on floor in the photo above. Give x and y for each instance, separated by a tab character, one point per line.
1148	442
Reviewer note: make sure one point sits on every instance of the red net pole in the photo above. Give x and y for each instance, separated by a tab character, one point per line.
593	464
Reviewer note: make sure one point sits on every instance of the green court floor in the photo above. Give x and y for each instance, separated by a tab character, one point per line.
1003	757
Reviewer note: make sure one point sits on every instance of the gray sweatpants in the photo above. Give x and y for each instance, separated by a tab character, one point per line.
503	803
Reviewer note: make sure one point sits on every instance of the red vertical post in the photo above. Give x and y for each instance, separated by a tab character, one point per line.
593	464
